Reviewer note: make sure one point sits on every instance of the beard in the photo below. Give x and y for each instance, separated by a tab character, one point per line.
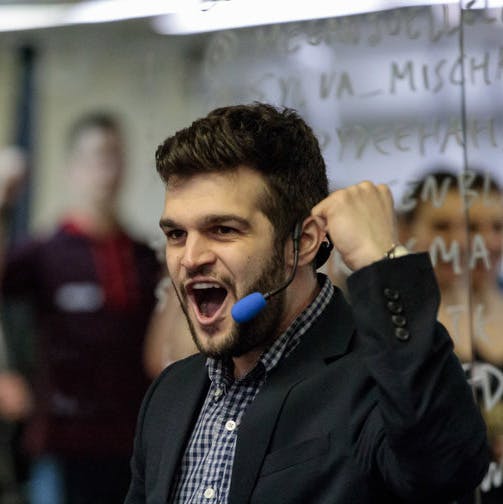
258	332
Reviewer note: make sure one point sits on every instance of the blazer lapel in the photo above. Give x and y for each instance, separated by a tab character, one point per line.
325	341
186	401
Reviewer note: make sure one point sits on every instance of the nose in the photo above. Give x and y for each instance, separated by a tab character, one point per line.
197	252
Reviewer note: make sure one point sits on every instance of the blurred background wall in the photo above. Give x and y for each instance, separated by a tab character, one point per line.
382	90
125	69
392	93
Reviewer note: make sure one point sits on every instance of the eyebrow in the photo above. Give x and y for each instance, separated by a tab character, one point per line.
212	219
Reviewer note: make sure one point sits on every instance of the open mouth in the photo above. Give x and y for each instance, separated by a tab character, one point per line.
208	298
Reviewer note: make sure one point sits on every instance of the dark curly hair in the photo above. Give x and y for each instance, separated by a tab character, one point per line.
275	142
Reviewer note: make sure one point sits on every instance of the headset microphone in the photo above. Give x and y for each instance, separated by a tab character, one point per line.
249	306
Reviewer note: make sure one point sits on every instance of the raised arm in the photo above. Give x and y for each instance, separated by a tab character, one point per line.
428	435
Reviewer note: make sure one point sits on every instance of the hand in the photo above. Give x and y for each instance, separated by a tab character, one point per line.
12	174
360	221
16	401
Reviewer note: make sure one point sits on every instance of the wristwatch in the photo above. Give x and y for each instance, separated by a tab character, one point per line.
395	251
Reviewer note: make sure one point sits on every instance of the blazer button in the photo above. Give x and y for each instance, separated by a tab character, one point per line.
402	334
399	320
394	307
391	294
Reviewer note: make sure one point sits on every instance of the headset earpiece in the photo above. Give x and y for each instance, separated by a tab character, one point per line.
323	252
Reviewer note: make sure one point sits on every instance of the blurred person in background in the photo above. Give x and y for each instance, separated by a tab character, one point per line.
438	223
471	306
15	394
92	288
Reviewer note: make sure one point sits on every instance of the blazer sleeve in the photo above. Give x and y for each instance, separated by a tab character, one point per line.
431	438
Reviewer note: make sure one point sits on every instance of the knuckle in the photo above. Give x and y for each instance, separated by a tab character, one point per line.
366	184
384	189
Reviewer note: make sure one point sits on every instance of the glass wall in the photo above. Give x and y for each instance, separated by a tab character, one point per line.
411	97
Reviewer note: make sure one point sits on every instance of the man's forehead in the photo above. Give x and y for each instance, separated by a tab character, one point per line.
243	183
231	175
213	196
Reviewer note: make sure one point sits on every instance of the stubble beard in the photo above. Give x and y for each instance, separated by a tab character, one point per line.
259	332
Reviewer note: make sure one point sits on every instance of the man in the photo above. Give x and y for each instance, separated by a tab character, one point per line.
92	289
311	401
462	233
462	227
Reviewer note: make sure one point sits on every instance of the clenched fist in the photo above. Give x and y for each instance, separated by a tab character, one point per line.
361	222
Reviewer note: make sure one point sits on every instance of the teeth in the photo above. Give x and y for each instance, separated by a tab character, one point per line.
206	285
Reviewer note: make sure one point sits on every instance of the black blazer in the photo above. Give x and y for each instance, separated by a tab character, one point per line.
360	412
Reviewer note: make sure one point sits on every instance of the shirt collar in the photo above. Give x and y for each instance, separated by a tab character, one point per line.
220	371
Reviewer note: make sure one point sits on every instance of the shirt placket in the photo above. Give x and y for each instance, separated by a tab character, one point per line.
225	409
207	468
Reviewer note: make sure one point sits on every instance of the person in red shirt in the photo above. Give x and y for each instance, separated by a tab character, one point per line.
92	288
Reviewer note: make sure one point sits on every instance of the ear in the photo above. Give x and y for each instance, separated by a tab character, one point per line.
311	237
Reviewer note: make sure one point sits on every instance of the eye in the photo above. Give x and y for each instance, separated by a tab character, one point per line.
174	235
497	226
441	226
224	230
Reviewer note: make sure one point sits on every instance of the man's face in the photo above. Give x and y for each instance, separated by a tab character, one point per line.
220	247
486	220
97	165
449	223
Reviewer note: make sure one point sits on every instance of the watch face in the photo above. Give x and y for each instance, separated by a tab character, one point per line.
399	251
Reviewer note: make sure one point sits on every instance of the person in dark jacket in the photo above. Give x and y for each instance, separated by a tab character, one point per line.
297	396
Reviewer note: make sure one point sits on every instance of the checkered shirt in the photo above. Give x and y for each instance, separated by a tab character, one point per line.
205	472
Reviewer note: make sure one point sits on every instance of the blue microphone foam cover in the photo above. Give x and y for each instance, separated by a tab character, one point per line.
245	309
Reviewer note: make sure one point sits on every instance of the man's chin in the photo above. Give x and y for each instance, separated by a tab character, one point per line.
213	340
228	347
214	350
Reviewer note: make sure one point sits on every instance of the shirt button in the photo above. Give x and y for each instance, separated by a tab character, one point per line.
230	425
218	393
209	493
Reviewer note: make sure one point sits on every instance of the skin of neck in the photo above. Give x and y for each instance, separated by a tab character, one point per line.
95	220
299	295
